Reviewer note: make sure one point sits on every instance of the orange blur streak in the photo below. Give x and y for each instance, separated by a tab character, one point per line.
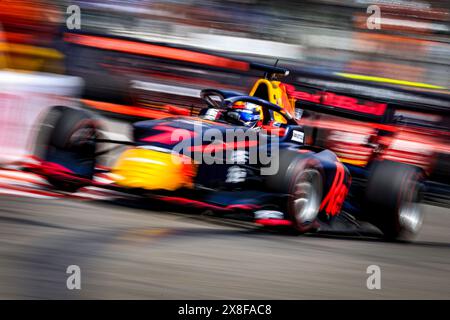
155	51
126	110
17	37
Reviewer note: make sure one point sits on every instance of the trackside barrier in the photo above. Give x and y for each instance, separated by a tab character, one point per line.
24	99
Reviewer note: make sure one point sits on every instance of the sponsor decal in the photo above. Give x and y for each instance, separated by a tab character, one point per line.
236	174
342	102
298	136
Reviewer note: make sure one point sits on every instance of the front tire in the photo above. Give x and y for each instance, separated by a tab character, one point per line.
300	178
305	198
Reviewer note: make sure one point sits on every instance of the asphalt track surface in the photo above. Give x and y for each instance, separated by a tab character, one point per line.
136	253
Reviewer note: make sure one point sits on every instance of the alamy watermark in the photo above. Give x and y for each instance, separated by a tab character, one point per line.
374	280
73	21
226	146
73	281
374	20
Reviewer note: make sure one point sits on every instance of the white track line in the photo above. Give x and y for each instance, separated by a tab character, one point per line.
23	176
28	194
31	185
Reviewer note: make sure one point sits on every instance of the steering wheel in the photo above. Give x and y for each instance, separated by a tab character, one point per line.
207	95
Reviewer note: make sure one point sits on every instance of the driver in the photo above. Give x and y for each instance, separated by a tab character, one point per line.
245	113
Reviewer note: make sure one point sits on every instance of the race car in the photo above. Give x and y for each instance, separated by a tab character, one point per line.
171	159
242	156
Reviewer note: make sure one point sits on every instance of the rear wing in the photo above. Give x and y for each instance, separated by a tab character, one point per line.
321	100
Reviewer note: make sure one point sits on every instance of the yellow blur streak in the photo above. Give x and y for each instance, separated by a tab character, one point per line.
30	50
389	80
359	163
26	57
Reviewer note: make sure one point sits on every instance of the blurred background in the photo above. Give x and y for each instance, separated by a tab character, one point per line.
412	43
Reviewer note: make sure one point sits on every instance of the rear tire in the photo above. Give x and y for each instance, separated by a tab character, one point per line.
393	196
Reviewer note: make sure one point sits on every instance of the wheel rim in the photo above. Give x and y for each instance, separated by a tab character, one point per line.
410	217
83	134
306	196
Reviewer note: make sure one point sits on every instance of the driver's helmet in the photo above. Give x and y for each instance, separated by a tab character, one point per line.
246	113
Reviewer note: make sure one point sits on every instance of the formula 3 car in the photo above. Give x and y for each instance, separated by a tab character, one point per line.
309	186
263	173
